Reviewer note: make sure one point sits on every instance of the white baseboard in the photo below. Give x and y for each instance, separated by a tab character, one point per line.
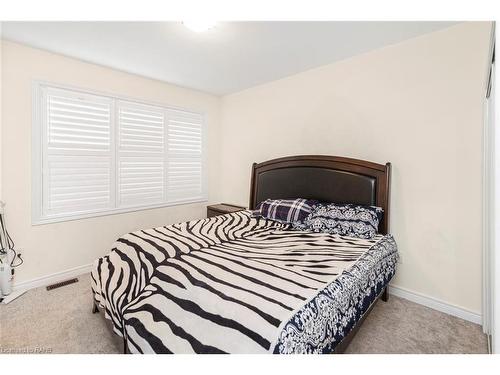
435	304
53	278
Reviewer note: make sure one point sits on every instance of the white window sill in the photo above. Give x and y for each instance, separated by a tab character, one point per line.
88	215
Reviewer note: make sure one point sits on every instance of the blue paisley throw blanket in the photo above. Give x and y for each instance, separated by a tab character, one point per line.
238	284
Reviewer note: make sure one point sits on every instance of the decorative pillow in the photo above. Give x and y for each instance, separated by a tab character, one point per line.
343	219
285	210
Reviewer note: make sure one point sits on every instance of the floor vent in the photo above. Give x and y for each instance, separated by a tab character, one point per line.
62	283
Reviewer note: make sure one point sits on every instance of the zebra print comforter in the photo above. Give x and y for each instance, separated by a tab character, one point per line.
237	284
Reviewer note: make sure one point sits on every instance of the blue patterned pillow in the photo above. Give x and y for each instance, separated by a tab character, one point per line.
343	219
284	210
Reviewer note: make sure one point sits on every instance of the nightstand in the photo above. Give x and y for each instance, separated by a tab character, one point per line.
223	208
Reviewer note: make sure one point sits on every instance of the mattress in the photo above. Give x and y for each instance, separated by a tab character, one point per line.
237	284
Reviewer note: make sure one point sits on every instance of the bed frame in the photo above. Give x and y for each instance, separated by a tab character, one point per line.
325	178
329	179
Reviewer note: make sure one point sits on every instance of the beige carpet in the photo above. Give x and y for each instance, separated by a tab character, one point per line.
60	321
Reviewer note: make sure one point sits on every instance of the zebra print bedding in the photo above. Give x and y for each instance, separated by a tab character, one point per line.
238	284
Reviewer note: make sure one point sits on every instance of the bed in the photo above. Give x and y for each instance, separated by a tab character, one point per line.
239	284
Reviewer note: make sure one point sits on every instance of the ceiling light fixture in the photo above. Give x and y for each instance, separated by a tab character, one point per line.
199	25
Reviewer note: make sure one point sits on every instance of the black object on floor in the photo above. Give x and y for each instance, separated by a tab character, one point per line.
62	283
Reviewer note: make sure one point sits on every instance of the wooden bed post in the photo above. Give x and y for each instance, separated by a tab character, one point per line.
124	336
385	294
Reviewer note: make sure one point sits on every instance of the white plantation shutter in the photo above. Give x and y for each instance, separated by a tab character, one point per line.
78	160
141	154
185	156
96	154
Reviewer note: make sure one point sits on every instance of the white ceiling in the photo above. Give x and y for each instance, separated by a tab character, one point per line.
230	57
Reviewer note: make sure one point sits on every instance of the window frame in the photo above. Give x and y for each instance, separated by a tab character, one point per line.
38	158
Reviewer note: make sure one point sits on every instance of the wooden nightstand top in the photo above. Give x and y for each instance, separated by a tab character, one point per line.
223	208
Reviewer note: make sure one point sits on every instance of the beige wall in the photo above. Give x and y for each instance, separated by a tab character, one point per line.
52	248
417	104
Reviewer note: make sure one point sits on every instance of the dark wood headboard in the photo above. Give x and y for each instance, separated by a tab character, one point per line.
325	178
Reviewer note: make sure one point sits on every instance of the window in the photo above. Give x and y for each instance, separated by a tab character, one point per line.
95	154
